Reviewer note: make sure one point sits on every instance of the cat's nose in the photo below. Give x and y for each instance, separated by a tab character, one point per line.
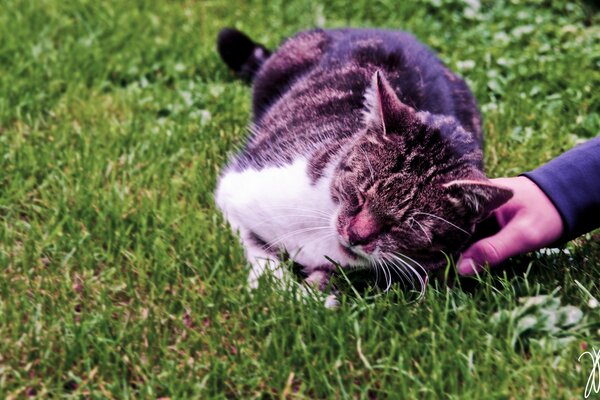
363	228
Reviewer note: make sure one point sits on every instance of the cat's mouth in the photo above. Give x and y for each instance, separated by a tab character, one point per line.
348	251
354	252
363	251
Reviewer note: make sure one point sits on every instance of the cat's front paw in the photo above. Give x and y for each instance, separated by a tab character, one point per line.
319	281
332	302
256	271
260	267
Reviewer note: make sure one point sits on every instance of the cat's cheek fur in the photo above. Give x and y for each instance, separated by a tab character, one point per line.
287	211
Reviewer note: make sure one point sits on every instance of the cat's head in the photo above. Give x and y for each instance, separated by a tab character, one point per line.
412	184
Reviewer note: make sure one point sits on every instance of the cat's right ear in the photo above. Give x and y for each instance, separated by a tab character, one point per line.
385	112
477	197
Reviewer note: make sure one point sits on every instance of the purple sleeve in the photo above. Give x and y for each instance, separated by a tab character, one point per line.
572	182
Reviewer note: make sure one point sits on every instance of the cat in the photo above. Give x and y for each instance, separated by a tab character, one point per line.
365	150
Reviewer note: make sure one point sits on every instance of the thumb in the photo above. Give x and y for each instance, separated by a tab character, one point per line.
493	250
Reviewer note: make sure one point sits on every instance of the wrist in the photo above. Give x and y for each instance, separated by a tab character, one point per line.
545	214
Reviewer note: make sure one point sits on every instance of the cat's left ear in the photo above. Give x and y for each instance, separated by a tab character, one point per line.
384	111
478	197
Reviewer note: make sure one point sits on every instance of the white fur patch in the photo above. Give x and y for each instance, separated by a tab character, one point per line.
282	207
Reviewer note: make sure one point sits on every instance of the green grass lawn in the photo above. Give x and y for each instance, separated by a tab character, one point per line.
118	278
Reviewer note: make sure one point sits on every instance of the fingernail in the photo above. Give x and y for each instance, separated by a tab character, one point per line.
466	266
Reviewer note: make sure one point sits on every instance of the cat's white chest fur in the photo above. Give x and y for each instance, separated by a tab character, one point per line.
284	209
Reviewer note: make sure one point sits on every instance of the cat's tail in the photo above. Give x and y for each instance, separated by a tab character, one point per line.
240	53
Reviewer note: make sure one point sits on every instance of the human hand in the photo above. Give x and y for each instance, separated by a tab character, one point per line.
528	221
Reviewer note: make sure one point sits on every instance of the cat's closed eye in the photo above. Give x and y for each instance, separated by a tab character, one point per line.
356	202
396	228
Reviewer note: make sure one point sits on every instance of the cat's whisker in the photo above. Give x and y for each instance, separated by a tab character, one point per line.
376	267
292	224
308	210
311	216
278	240
314	239
380	267
294	233
305	210
385	264
401	255
422	282
423	229
319	238
385	276
368	163
401	272
442	219
390	280
400	259
401	268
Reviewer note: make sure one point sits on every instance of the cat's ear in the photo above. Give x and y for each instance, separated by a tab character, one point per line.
479	197
384	111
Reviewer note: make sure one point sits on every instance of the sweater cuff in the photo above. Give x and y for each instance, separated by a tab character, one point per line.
572	182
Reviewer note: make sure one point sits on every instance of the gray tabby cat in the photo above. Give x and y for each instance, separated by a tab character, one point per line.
364	149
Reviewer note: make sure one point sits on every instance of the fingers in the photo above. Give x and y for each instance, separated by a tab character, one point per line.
495	249
529	222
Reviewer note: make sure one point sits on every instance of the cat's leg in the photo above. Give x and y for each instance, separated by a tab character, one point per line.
234	205
260	261
318	279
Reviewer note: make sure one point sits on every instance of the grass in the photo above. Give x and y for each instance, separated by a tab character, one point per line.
118	279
